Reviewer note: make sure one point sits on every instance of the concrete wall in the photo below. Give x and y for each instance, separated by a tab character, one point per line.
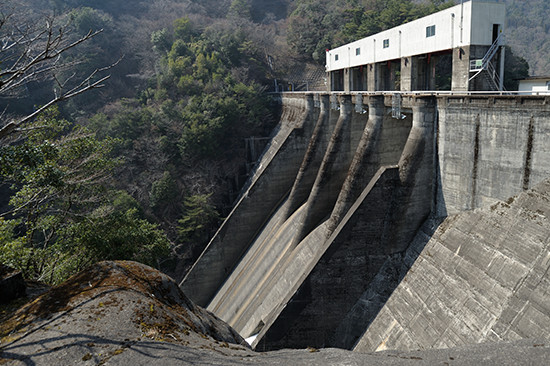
482	277
270	183
490	148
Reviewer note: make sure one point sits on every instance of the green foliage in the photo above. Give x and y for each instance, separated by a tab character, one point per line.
64	215
13	250
527	32
199	217
515	68
218	108
121	235
163	191
183	29
241	9
87	19
161	40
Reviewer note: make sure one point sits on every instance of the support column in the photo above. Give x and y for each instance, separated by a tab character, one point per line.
406	74
347	80
371	77
379	76
416	173
501	71
431	73
409	73
461	69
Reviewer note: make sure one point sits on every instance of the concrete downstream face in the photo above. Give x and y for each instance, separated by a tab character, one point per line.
321	236
271	182
482	277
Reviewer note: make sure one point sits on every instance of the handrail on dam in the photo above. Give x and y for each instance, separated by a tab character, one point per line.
424	93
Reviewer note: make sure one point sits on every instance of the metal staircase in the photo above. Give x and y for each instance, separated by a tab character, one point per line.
485	66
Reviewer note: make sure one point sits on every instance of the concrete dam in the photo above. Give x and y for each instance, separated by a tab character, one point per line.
376	221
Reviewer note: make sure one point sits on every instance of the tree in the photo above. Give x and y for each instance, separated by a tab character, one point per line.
161	41
33	51
515	68
240	9
198	219
63	212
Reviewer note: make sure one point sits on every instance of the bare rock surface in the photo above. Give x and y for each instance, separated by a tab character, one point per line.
104	310
503	354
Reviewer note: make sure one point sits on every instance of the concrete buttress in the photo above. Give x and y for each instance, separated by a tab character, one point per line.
272	181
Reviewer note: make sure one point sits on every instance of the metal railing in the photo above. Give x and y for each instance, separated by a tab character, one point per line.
431	93
476	65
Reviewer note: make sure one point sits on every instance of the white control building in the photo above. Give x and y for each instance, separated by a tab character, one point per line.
462	45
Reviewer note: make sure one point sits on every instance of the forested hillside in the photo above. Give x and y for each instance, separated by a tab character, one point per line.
528	33
144	151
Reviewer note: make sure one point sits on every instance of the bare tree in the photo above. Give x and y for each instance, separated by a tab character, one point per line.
33	51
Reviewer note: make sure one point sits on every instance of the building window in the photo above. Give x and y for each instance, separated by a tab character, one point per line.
386	43
357	51
335	57
430	31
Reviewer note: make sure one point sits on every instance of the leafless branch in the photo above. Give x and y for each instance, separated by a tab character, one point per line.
28	53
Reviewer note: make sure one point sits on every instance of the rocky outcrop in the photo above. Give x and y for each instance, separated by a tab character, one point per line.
103	311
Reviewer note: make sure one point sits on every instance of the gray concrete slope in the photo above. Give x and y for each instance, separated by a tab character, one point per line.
316	283
313	157
331	174
256	266
483	276
248	285
268	187
275	238
380	223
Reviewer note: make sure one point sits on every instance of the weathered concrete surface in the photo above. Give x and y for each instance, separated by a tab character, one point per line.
481	277
275	239
369	232
332	272
379	290
313	157
331	173
284	257
490	148
268	278
269	185
368	157
416	175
